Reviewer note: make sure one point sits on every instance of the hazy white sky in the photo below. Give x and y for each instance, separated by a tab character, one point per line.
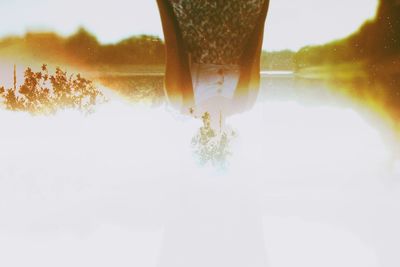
290	23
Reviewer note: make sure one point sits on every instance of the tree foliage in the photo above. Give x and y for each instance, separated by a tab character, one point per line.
211	146
83	48
376	40
44	93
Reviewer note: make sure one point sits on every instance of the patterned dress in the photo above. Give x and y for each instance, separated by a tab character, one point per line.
216	31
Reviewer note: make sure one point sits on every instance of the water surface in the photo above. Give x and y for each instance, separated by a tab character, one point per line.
313	181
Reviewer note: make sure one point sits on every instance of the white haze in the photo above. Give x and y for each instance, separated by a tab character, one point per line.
306	186
290	24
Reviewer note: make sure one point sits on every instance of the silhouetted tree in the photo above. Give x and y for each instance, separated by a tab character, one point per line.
211	146
42	93
83	45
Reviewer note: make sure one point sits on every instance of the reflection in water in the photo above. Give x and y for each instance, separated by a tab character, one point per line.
137	88
308	184
376	99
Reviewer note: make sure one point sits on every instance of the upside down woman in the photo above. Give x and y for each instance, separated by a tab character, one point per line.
213	52
213	66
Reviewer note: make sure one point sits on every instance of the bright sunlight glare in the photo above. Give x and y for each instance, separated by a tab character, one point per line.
100	190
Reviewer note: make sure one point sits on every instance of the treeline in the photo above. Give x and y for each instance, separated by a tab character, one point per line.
279	60
43	93
377	40
84	48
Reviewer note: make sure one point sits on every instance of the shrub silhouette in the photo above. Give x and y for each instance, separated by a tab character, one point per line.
210	146
42	93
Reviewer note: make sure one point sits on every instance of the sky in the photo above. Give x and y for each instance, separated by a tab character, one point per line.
291	24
